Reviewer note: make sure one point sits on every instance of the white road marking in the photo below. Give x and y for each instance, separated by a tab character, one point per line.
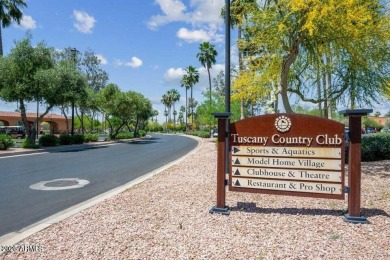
42	185
20	155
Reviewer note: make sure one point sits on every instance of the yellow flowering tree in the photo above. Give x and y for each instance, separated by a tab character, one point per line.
338	46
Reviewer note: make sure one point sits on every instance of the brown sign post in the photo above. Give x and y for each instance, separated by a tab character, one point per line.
354	164
221	208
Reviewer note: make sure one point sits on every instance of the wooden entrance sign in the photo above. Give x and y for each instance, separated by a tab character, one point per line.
290	154
287	154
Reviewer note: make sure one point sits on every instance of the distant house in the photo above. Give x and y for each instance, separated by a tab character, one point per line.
51	123
379	119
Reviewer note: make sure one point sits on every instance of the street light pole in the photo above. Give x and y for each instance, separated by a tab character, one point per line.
74	55
227	81
37	126
166	119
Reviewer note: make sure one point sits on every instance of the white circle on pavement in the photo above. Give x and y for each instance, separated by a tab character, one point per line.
45	185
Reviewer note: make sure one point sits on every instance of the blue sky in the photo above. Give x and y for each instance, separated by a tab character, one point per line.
144	45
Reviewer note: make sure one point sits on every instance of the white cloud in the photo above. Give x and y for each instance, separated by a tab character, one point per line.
28	23
84	22
134	63
102	59
174	75
173	11
203	15
193	36
206	11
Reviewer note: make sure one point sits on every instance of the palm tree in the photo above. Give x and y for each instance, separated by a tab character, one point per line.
155	113
188	81
185	83
174	96
206	57
167	101
239	10
9	11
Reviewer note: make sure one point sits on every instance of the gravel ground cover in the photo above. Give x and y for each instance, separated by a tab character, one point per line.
167	217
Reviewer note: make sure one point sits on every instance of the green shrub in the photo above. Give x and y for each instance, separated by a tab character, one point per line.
66	139
124	135
91	138
141	133
48	140
28	144
376	147
77	139
5	142
202	134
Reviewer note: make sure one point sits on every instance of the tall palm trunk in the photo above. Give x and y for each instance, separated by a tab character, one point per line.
208	71
186	107
192	111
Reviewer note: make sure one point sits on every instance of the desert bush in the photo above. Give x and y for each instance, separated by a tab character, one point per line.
91	138
28	144
48	140
77	139
66	139
124	135
141	133
376	147
202	134
6	142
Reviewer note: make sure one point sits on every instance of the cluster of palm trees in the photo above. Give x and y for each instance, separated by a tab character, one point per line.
206	57
169	99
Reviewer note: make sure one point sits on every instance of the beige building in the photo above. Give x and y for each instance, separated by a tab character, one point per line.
51	123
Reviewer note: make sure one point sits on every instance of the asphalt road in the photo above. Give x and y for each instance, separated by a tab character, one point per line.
105	167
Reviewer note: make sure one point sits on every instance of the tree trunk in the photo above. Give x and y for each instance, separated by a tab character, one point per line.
352	93
136	128
1	40
241	68
192	111
30	132
288	60
319	90
325	89
329	83
186	107
82	121
66	118
208	72
242	108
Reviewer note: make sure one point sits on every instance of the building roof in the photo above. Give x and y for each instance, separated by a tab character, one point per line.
30	115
